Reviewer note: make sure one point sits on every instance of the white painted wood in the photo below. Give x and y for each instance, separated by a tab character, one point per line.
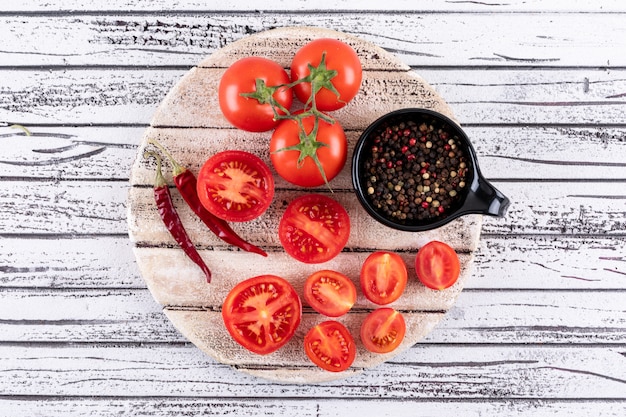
539	328
195	307
381	407
514	263
477	317
418	37
508	96
484	374
106	153
94	207
321	5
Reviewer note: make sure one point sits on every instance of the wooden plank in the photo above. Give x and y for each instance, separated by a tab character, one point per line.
434	373
95	207
501	262
171	407
507	96
524	39
107	153
320	5
88	262
478	317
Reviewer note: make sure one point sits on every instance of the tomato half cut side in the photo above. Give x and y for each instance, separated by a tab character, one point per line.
383	330
330	346
330	293
437	265
383	277
314	228
235	185
262	313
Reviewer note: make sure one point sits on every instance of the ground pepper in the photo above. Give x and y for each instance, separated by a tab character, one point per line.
415	172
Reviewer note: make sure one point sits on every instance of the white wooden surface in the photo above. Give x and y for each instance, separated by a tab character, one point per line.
540	328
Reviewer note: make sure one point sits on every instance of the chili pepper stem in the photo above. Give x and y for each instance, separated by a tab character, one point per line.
23	128
159	179
177	168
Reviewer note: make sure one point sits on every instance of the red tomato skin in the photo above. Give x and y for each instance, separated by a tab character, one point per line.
296	241
333	340
230	311
437	265
330	293
247	113
332	157
386	270
261	193
388	321
340	57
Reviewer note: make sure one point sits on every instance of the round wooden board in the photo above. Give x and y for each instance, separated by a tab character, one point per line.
190	125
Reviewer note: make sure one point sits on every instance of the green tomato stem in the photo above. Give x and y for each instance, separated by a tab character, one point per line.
319	77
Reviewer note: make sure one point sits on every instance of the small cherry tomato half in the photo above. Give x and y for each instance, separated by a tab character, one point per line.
383	330
244	97
314	228
437	265
294	156
262	313
330	346
337	90
383	277
330	293
235	186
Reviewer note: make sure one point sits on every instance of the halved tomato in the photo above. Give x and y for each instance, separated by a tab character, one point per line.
314	228
330	346
383	277
382	330
330	293
262	313
437	265
235	186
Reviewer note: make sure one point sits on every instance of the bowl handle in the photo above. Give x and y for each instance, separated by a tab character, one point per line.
484	198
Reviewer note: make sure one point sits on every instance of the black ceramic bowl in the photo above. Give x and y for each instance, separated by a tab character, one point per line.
415	170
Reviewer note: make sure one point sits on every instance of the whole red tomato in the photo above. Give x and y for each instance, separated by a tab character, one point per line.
336	79
254	77
293	152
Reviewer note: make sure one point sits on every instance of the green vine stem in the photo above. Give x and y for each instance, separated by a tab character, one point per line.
319	77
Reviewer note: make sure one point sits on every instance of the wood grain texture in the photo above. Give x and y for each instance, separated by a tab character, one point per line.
147	6
195	308
106	153
183	36
424	373
538	330
566	96
478	317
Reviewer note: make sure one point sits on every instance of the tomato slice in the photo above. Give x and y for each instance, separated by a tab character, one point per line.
383	330
235	186
383	277
330	346
437	265
314	228
262	313
330	293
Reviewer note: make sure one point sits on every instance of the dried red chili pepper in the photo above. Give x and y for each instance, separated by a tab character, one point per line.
186	183
172	221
